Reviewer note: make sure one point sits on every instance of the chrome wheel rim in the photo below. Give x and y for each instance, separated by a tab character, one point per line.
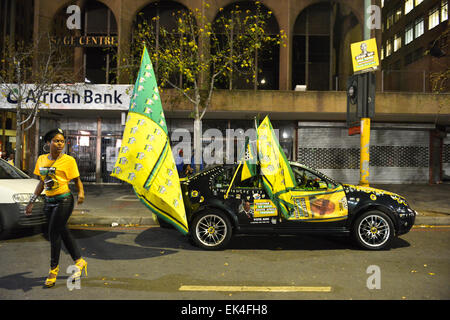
211	230
374	231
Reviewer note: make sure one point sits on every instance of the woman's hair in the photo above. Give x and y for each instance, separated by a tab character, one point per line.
49	135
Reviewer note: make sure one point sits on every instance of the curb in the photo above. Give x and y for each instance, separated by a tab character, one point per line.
109	221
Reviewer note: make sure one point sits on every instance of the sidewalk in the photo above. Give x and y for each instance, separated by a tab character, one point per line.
118	205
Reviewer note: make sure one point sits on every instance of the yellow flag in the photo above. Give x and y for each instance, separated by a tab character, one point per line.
145	158
278	178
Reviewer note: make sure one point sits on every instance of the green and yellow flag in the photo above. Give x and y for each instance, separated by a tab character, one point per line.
278	178
145	158
249	160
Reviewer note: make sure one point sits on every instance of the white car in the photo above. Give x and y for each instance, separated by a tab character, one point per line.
16	188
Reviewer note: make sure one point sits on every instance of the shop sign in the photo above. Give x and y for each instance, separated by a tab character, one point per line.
78	96
88	41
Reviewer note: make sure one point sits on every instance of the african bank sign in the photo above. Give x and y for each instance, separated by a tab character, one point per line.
78	96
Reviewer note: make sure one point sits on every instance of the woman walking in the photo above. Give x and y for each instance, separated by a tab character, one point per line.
56	170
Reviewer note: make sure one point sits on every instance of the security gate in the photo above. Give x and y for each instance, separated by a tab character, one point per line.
396	155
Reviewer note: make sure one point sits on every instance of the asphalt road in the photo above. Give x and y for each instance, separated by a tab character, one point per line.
160	264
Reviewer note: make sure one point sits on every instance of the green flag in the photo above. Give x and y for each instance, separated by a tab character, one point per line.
145	158
249	160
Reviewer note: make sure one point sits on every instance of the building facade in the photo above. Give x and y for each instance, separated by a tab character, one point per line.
409	133
415	44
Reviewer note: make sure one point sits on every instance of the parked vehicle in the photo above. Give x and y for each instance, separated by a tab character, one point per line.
215	212
16	188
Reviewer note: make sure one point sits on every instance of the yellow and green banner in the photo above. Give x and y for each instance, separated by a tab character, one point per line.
277	176
249	161
145	157
294	202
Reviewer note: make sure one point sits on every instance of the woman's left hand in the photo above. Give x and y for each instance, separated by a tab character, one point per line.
80	198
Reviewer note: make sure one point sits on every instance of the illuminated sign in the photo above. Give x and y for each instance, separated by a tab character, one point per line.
88	41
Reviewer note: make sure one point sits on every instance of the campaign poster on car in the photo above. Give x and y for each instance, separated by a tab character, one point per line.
259	211
326	206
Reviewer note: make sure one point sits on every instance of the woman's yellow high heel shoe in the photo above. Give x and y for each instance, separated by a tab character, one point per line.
50	281
80	264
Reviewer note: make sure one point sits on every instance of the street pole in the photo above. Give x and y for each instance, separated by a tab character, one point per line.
364	157
364	153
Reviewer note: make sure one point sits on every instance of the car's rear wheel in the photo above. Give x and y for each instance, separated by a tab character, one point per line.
373	230
211	230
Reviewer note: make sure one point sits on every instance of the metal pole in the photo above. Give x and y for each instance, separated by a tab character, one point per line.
307	50
364	158
365	155
98	158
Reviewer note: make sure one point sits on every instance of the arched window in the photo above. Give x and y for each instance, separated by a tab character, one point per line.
99	62
321	41
266	60
92	47
158	15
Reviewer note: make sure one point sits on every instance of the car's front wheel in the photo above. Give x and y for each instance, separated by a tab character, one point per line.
211	230
373	230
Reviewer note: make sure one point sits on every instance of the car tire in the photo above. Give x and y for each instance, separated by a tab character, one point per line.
211	230
373	230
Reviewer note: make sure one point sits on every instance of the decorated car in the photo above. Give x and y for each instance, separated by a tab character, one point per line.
371	216
264	192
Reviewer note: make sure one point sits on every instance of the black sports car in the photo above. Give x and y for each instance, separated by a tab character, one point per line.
215	212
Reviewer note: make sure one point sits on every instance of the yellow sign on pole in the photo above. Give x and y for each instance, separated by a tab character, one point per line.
364	55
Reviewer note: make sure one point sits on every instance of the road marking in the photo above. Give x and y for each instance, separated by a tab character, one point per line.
255	288
424	226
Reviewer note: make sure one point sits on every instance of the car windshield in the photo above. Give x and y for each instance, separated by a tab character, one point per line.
8	171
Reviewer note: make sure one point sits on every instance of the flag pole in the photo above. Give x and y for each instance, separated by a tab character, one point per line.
232	181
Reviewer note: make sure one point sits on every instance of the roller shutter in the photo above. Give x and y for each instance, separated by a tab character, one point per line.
396	156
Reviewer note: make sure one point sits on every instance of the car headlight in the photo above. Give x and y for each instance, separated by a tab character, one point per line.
23	197
405	212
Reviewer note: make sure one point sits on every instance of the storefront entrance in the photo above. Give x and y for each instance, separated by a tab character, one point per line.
95	161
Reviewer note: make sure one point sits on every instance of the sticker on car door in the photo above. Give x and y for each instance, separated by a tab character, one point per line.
327	206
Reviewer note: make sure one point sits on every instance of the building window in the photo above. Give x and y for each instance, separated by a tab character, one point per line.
390	21
433	18
417	2
397	42
419	27
409	5
398	14
444	10
388	48
409	34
